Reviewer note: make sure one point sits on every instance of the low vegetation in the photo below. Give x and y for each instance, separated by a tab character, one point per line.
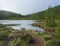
10	37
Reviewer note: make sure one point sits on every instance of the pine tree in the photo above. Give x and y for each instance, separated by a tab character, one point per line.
50	18
50	22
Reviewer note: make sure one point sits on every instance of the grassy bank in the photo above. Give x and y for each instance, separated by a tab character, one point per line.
12	37
52	39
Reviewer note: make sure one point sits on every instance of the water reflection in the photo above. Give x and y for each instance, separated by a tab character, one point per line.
22	24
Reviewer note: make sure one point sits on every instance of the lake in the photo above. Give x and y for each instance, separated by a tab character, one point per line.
22	24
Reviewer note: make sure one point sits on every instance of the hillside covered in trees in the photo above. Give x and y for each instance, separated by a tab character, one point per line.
9	15
41	15
35	16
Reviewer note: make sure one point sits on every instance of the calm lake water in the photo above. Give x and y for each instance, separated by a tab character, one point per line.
22	24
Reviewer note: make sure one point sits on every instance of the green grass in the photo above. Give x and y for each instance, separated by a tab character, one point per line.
58	23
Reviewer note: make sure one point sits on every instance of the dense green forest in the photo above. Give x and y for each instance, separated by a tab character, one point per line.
41	15
34	16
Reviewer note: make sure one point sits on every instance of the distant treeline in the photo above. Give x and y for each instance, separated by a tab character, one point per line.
34	16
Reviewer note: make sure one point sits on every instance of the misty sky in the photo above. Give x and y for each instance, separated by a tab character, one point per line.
27	6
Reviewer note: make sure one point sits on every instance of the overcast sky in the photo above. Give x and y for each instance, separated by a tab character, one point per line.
27	6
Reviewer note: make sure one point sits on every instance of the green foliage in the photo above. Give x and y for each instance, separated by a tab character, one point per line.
14	38
4	32
41	15
50	18
34	16
25	40
56	37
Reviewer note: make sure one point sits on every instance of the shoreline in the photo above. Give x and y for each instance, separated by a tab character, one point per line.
13	35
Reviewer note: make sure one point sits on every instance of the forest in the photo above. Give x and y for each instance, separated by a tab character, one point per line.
34	16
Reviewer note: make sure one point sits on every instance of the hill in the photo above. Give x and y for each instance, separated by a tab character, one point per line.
41	15
9	15
34	16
